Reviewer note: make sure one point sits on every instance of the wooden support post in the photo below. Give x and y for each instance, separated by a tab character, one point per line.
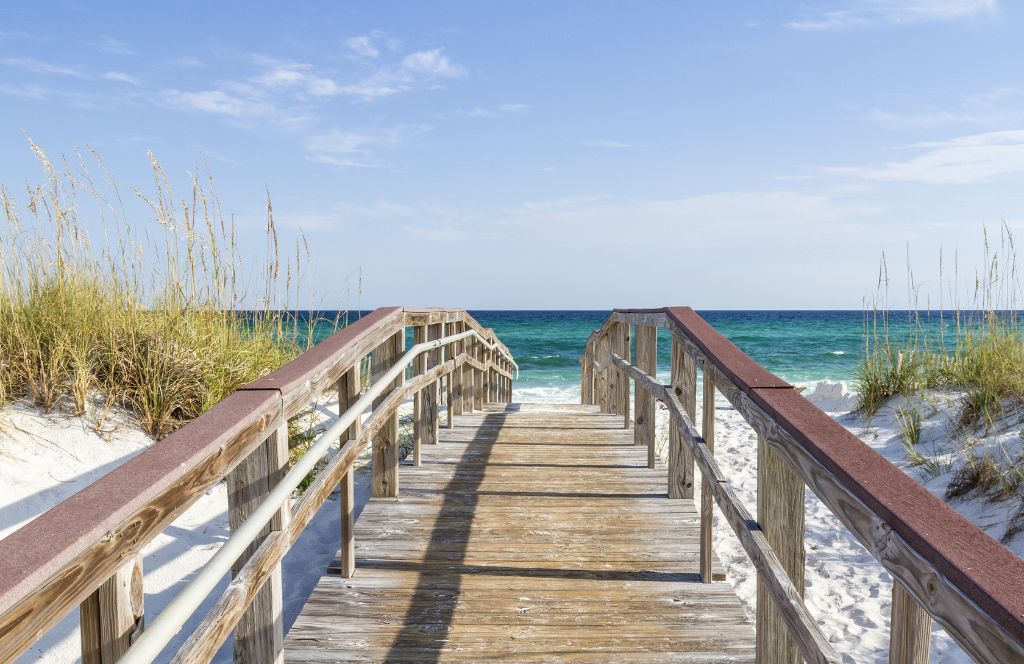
384	480
624	353
259	635
433	400
707	503
603	357
910	629
455	391
780	513
112	617
684	386
479	378
420	418
348	394
468	376
586	377
646	361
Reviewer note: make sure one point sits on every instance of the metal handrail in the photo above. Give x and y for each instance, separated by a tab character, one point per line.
170	621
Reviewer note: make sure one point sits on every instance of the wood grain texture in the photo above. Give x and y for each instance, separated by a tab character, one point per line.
780	512
813	645
646	360
910	629
259	633
113	616
384	465
516	541
707	501
684	386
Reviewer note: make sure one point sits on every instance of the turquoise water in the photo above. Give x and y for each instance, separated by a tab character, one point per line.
799	346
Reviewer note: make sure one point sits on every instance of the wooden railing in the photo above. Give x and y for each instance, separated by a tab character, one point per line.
944	567
86	551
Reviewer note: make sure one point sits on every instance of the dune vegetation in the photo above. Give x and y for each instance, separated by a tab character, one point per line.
100	308
975	354
978	349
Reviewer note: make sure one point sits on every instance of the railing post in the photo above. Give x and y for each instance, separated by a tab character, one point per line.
112	617
426	418
707	502
646	361
612	373
384	480
603	355
455	377
348	394
479	376
624	352
419	414
468	375
586	376
910	629
259	635
780	513
684	386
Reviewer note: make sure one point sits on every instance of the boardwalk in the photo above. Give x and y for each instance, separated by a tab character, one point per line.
531	533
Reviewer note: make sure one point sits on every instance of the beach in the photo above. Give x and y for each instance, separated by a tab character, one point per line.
49	457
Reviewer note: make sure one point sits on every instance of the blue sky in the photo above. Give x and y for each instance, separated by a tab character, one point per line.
553	154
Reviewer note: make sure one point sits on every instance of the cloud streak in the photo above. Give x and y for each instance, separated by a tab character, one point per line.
866	13
963	160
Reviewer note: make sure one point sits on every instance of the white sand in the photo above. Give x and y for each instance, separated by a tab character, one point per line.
47	458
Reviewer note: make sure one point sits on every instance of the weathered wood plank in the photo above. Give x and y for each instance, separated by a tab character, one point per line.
647	360
506	547
780	512
707	501
910	629
259	633
684	386
113	616
384	465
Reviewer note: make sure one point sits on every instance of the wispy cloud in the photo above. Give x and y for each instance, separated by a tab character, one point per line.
371	45
122	77
498	111
864	13
719	219
958	161
115	47
35	66
999	107
276	85
607	143
358	148
218	102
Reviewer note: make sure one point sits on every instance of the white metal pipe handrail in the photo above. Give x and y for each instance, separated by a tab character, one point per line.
159	633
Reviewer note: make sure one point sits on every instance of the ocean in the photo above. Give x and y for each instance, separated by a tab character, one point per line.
801	347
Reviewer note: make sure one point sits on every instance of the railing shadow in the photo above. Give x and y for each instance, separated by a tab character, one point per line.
428	640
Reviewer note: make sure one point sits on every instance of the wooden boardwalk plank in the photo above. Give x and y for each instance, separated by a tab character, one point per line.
531	533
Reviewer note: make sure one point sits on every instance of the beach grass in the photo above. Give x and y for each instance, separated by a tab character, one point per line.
977	350
149	315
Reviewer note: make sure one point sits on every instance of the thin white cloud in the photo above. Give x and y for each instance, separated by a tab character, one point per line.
607	143
115	47
999	107
431	64
495	112
959	161
362	46
748	218
278	85
865	13
35	66
358	148
122	77
218	102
